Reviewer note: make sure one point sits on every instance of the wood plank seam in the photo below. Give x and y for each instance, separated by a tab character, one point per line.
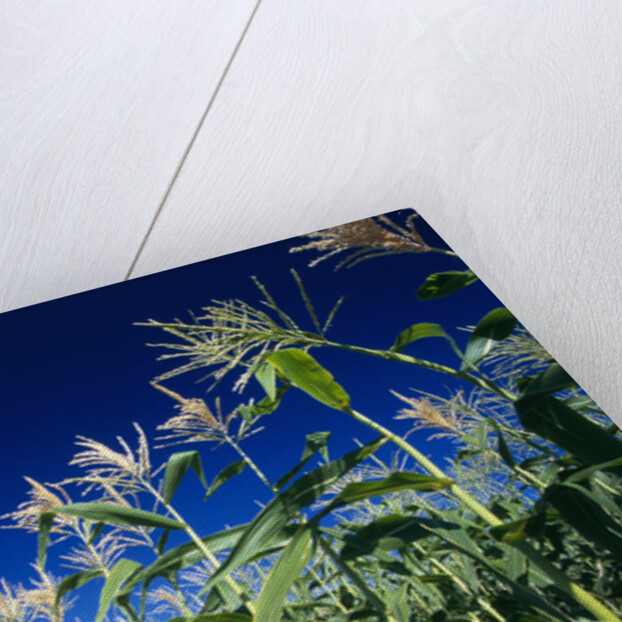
193	138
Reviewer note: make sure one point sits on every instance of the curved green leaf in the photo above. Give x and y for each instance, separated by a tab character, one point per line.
401	480
554	378
304	372
107	513
422	331
285	572
120	572
176	467
186	555
495	326
384	534
443	284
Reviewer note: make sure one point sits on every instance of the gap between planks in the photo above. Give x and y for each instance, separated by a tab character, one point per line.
184	156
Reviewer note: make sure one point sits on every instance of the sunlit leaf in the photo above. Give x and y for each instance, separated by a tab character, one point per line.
265	406
74	581
305	373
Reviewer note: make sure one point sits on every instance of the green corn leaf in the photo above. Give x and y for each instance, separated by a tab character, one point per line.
223	595
110	513
266	376
502	447
45	526
397	531
316	441
554	378
400	480
286	571
74	581
231	470
305	373
176	467
495	326
120	572
95	533
266	406
589	472
422	331
107	513
302	493
357	579
553	420
443	284
517	530
587	516
458	538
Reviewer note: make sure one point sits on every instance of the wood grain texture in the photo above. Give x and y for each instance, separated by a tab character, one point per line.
98	102
498	121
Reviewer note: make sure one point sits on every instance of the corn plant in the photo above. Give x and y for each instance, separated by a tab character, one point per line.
525	522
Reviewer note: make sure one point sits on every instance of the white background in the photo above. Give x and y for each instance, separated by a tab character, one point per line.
140	136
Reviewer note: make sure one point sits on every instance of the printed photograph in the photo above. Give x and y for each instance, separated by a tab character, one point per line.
346	425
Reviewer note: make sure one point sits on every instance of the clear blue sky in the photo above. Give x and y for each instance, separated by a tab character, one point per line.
77	365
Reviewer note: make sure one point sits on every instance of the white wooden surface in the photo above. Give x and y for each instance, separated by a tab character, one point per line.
498	121
98	102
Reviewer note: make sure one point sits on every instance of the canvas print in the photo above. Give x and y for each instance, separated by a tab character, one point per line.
346	425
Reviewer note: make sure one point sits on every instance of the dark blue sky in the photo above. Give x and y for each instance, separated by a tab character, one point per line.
77	365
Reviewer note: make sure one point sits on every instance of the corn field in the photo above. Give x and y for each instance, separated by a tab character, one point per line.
522	522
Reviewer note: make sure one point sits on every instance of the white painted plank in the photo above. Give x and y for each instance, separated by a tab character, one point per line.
498	121
98	102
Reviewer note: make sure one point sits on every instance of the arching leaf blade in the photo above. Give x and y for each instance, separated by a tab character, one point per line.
304	372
